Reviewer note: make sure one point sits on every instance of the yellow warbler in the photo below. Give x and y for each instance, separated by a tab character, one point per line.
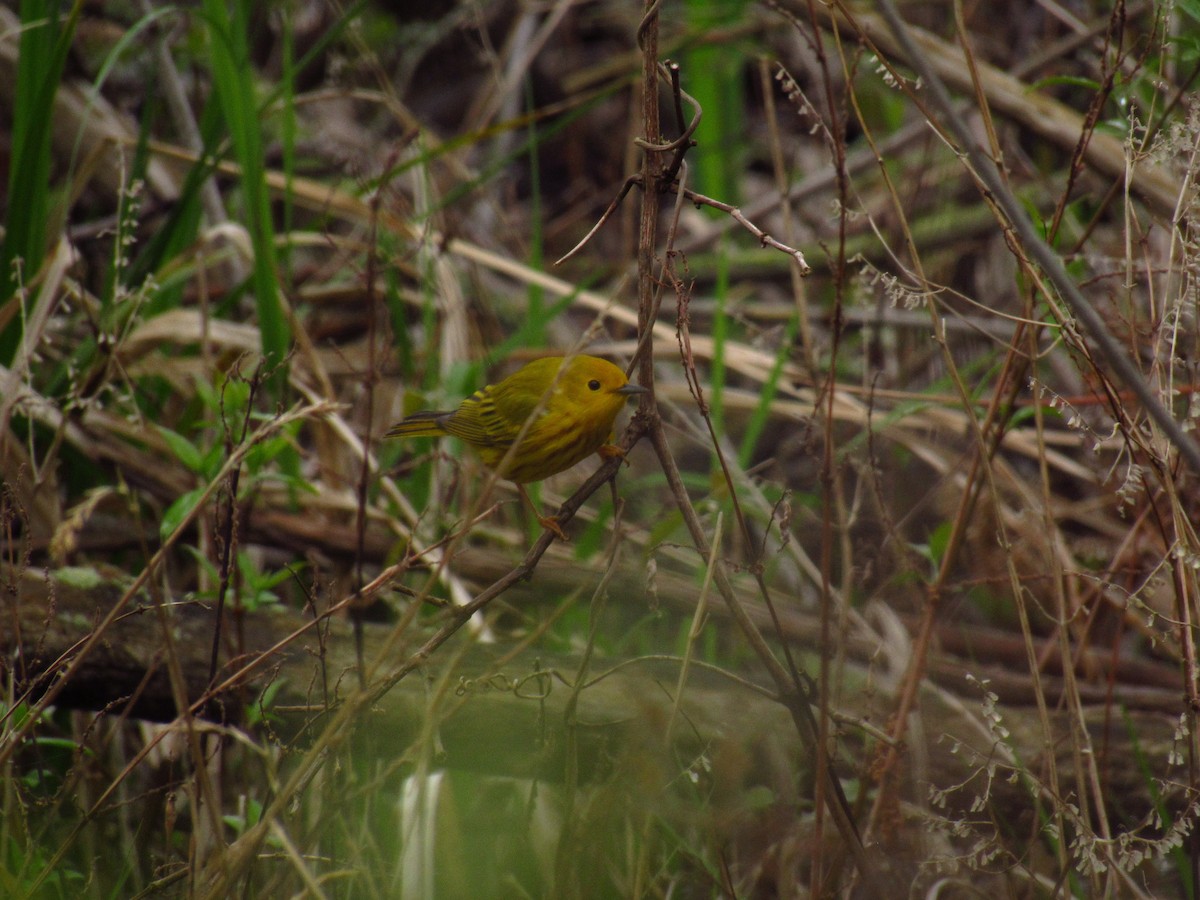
582	394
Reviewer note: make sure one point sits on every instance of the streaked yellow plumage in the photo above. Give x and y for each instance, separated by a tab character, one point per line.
576	419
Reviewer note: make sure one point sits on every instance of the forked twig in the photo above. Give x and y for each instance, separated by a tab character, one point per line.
668	179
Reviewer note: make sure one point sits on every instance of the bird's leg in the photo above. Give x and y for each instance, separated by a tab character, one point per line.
548	522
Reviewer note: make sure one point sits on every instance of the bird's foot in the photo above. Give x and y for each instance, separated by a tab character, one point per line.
550	523
611	451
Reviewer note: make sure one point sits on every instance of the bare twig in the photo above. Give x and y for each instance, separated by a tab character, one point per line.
763	238
612	208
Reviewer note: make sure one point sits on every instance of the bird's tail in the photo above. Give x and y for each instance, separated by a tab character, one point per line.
419	424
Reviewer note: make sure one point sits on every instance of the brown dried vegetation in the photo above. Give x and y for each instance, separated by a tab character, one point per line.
898	587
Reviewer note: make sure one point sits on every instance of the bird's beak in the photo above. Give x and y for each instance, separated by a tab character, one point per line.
630	389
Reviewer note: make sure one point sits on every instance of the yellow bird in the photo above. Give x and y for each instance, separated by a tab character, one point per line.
583	395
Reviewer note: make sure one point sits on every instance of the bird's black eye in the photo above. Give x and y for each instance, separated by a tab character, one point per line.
594	385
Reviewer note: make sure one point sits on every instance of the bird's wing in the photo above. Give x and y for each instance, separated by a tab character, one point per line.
515	407
480	421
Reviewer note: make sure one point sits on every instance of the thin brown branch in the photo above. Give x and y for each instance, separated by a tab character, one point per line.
763	238
605	216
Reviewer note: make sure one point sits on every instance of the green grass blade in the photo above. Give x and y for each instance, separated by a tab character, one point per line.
234	89
537	260
43	49
762	412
